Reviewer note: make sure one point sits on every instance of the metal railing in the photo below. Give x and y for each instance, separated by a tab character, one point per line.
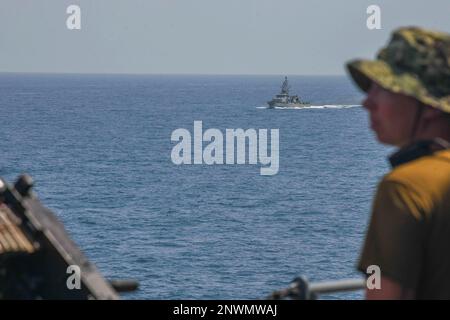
301	289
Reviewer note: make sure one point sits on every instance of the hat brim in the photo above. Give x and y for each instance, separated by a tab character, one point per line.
364	72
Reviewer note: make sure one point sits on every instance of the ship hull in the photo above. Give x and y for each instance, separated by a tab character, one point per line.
288	105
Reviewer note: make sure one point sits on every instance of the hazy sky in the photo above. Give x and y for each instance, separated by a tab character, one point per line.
202	36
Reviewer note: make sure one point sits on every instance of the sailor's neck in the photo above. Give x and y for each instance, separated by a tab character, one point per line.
439	129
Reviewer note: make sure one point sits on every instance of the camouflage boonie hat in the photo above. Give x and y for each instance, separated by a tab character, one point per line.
416	63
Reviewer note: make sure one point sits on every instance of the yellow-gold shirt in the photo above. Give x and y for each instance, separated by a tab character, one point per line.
409	231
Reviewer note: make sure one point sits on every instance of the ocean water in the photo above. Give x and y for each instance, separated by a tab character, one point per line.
98	148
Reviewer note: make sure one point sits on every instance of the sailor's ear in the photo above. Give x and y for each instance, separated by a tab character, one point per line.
430	113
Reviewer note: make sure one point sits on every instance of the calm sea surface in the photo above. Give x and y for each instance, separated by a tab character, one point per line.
99	150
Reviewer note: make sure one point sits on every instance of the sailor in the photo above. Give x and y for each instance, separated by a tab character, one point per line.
408	103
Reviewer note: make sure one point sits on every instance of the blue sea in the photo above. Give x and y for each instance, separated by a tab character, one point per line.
99	149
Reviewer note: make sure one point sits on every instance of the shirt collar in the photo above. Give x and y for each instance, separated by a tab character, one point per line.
416	150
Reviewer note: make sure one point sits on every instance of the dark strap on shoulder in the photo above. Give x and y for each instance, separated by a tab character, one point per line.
416	150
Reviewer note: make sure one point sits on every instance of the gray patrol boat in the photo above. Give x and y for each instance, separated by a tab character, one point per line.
284	100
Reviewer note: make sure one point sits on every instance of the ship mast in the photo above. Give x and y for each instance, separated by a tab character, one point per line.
285	87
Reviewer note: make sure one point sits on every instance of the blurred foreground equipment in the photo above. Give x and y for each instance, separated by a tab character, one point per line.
301	289
38	258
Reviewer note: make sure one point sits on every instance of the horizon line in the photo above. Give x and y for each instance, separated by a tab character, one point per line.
169	74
